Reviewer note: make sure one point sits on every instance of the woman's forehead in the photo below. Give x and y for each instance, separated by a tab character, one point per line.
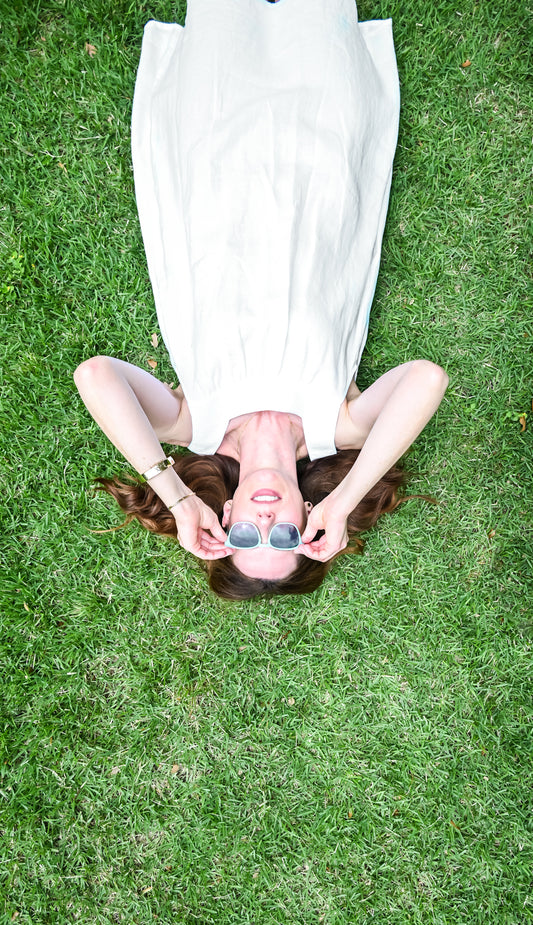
264	562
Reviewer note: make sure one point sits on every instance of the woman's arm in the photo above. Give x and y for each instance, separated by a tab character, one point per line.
132	408
136	411
113	379
391	413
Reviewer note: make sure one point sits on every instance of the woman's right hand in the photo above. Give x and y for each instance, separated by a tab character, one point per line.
329	516
199	529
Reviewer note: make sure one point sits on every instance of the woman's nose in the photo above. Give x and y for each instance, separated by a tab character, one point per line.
265	516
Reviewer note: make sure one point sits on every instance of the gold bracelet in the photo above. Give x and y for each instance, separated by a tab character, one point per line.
159	467
175	503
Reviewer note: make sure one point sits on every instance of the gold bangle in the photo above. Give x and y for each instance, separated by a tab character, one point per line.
175	503
159	467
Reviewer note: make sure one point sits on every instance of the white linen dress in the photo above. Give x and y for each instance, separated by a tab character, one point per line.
263	137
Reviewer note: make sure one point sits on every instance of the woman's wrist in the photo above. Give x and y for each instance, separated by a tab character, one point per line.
344	499
168	486
175	504
157	468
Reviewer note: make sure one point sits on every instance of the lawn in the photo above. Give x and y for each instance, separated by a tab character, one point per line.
360	755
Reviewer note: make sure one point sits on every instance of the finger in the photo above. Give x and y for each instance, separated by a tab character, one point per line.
212	546
201	553
196	549
322	550
316	556
312	550
209	541
323	556
217	551
212	553
217	531
330	552
312	525
310	532
221	554
212	524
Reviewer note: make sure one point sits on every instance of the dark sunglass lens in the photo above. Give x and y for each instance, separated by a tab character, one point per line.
244	535
285	536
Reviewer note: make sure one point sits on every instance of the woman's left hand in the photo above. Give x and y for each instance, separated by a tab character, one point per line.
199	530
331	517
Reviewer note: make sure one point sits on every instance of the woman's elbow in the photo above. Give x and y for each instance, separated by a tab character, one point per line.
431	376
91	372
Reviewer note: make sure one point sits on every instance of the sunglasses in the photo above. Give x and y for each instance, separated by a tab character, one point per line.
245	535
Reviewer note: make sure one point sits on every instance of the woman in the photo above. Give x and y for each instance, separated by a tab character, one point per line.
263	137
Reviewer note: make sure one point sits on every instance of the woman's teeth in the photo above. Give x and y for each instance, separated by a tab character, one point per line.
265	498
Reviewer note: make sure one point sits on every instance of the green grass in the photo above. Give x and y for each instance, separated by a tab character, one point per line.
361	755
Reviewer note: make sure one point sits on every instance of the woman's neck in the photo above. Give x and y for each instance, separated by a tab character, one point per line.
266	440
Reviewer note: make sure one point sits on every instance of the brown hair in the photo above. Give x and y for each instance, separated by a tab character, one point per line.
215	478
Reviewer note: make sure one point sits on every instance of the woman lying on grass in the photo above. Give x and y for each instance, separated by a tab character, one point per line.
263	139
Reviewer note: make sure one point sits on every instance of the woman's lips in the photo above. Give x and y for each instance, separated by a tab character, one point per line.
266	496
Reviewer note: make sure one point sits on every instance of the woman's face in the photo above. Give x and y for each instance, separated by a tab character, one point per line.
266	497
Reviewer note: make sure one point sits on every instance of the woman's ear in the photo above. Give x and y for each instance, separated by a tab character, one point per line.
308	507
226	512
